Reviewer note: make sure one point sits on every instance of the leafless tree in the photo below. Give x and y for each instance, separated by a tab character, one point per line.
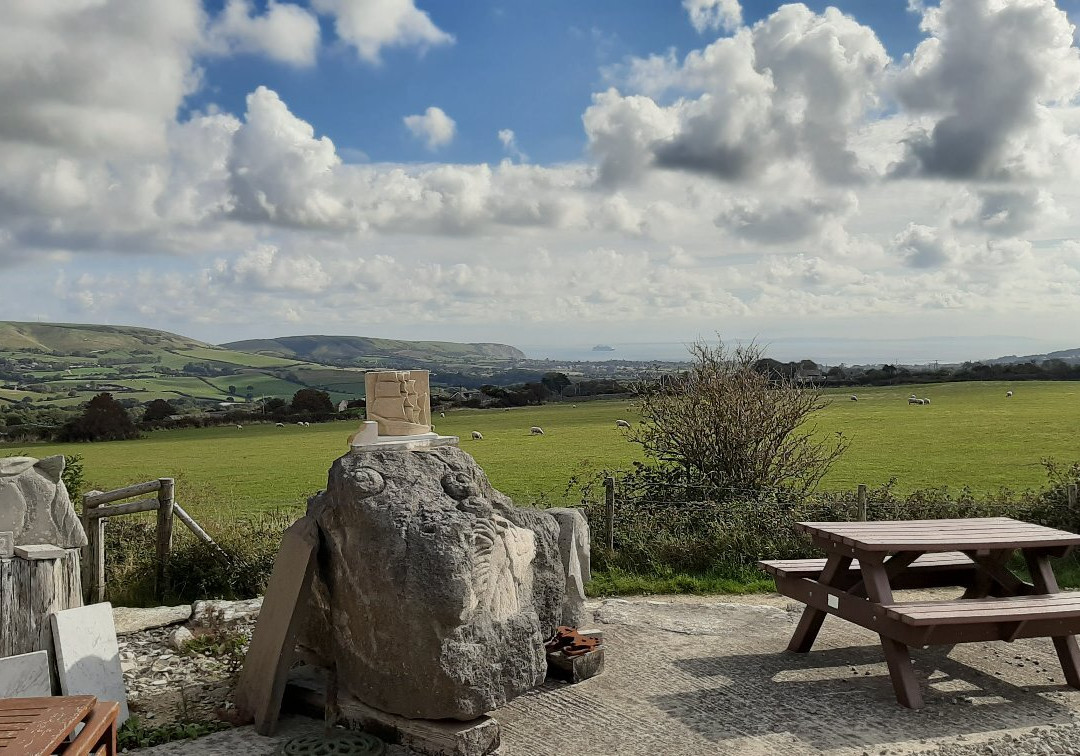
732	428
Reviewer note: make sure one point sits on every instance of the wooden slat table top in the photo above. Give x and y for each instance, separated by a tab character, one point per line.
31	726
967	534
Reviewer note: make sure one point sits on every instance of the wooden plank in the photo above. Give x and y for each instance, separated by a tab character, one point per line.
99	498
974	611
128	507
802	640
273	644
813	567
98	732
897	656
1068	653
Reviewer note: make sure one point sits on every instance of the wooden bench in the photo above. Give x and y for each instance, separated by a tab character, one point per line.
933	569
43	726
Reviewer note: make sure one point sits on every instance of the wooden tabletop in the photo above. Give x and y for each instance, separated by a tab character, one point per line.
968	534
32	726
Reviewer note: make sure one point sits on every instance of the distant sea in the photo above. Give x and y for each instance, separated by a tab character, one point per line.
822	350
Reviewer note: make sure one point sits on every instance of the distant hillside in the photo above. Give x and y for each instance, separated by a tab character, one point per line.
1071	356
67	338
360	348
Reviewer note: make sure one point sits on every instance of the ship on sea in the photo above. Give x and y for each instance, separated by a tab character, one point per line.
603	348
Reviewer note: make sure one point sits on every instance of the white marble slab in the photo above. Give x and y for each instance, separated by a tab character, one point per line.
87	657
25	675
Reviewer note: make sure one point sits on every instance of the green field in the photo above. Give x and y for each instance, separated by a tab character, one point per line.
969	435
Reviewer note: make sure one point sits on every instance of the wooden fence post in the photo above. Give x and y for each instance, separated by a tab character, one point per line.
1072	497
862	502
609	501
93	559
164	533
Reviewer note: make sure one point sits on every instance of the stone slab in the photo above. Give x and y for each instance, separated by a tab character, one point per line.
39	551
406	443
7	544
306	691
25	675
202	612
87	655
128	619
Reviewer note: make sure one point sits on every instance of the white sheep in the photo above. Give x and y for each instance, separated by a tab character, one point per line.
621	424
854	398
239	427
913	400
536	430
279	425
1008	394
477	436
306	423
925	401
299	423
442	414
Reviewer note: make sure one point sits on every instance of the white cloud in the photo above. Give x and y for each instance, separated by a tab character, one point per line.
434	127
285	32
1006	211
371	25
988	74
509	142
711	15
265	268
796	85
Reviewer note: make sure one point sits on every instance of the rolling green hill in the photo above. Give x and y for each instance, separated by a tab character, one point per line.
69	338
361	348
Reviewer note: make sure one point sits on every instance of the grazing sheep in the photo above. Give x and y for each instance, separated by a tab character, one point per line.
1008	394
306	423
299	423
621	424
239	427
854	398
913	400
279	425
477	436
442	414
574	406
536	430
925	401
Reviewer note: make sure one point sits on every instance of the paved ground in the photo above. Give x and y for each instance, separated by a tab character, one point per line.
701	676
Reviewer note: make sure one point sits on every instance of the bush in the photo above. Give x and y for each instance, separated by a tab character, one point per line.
661	528
104	419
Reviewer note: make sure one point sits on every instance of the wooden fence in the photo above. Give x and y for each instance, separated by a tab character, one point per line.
95	514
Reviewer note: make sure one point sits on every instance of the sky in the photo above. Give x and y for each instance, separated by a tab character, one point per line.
853	181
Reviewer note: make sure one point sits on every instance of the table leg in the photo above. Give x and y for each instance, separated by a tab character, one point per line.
897	655
810	623
1068	653
993	578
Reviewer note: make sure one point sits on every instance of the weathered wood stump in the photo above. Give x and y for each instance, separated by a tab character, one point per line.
30	591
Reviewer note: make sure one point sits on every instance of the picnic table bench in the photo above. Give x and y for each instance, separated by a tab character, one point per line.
43	726
867	560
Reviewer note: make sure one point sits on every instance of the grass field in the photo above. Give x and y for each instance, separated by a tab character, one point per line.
969	435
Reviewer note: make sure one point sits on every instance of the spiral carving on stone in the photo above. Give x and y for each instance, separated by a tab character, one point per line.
368	482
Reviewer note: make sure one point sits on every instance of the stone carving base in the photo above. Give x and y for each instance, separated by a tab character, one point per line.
405	443
306	693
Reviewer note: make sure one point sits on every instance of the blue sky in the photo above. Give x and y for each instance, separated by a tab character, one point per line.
861	173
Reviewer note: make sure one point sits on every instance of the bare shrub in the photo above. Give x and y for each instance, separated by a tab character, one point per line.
729	428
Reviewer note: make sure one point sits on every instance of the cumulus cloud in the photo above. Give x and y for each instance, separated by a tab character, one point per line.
1006	211
920	246
796	84
285	32
768	221
987	75
711	15
266	269
371	25
72	77
433	127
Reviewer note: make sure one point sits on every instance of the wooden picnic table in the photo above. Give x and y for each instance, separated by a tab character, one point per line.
43	726
867	560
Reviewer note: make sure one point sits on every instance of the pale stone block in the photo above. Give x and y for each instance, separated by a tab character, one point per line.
25	675
87	655
34	505
39	551
7	544
399	401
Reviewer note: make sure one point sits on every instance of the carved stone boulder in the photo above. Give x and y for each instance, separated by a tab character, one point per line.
34	504
576	557
433	594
